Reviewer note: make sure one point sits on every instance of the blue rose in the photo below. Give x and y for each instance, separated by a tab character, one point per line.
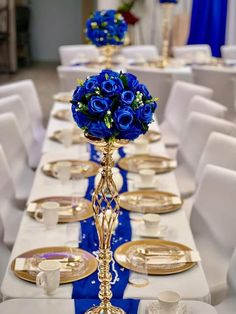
78	94
132	81
132	133
99	129
112	86
143	89
90	84
107	74
144	113
98	105
123	118
80	118
127	97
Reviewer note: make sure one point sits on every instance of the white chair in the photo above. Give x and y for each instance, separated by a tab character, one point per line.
223	82
158	83
213	225
176	110
69	76
198	128
16	154
228	305
27	91
147	52
4	255
69	52
228	52
10	213
193	53
15	105
220	150
207	106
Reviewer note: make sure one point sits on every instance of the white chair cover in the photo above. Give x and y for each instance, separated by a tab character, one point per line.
198	128
213	225
15	105
206	106
223	82
220	150
176	110
228	305
193	53
9	213
228	52
69	76
159	85
27	91
4	255
69	52
147	52
16	154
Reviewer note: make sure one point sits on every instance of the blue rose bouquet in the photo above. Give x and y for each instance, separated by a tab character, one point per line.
113	105
106	28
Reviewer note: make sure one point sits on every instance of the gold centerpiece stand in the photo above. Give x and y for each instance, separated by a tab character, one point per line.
166	25
106	205
108	51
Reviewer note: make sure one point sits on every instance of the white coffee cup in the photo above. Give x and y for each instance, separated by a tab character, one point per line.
168	301
48	213
49	276
66	137
141	145
62	171
147	175
152	222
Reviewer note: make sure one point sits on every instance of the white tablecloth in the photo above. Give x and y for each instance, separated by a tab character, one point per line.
190	284
23	306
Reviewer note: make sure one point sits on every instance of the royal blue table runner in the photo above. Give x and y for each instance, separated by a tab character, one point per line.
88	288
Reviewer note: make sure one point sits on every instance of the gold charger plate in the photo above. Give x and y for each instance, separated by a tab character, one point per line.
150	201
152	136
63	97
63	114
82	211
143	161
79	167
85	265
77	135
128	249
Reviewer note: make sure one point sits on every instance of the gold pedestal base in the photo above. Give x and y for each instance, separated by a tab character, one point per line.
101	310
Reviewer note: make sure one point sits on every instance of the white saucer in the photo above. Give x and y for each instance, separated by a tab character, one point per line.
161	232
154	308
147	185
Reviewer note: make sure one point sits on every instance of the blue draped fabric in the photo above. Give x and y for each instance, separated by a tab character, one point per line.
88	288
208	24
128	305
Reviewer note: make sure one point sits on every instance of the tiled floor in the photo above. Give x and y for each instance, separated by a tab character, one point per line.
45	78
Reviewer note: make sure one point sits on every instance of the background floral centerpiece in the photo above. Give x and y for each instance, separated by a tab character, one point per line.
106	28
113	105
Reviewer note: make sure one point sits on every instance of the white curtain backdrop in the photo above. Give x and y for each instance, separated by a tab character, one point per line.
231	23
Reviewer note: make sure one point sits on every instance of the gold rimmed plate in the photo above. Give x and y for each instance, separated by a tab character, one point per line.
63	97
77	136
79	168
152	136
76	264
143	161
150	201
63	114
168	249
82	209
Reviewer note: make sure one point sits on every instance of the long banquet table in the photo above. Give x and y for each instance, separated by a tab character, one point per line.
190	284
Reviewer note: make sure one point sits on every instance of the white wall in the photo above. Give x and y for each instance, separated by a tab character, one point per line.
54	23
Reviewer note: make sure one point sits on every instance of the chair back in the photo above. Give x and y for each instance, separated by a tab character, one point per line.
69	52
228	52
148	52
193	53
